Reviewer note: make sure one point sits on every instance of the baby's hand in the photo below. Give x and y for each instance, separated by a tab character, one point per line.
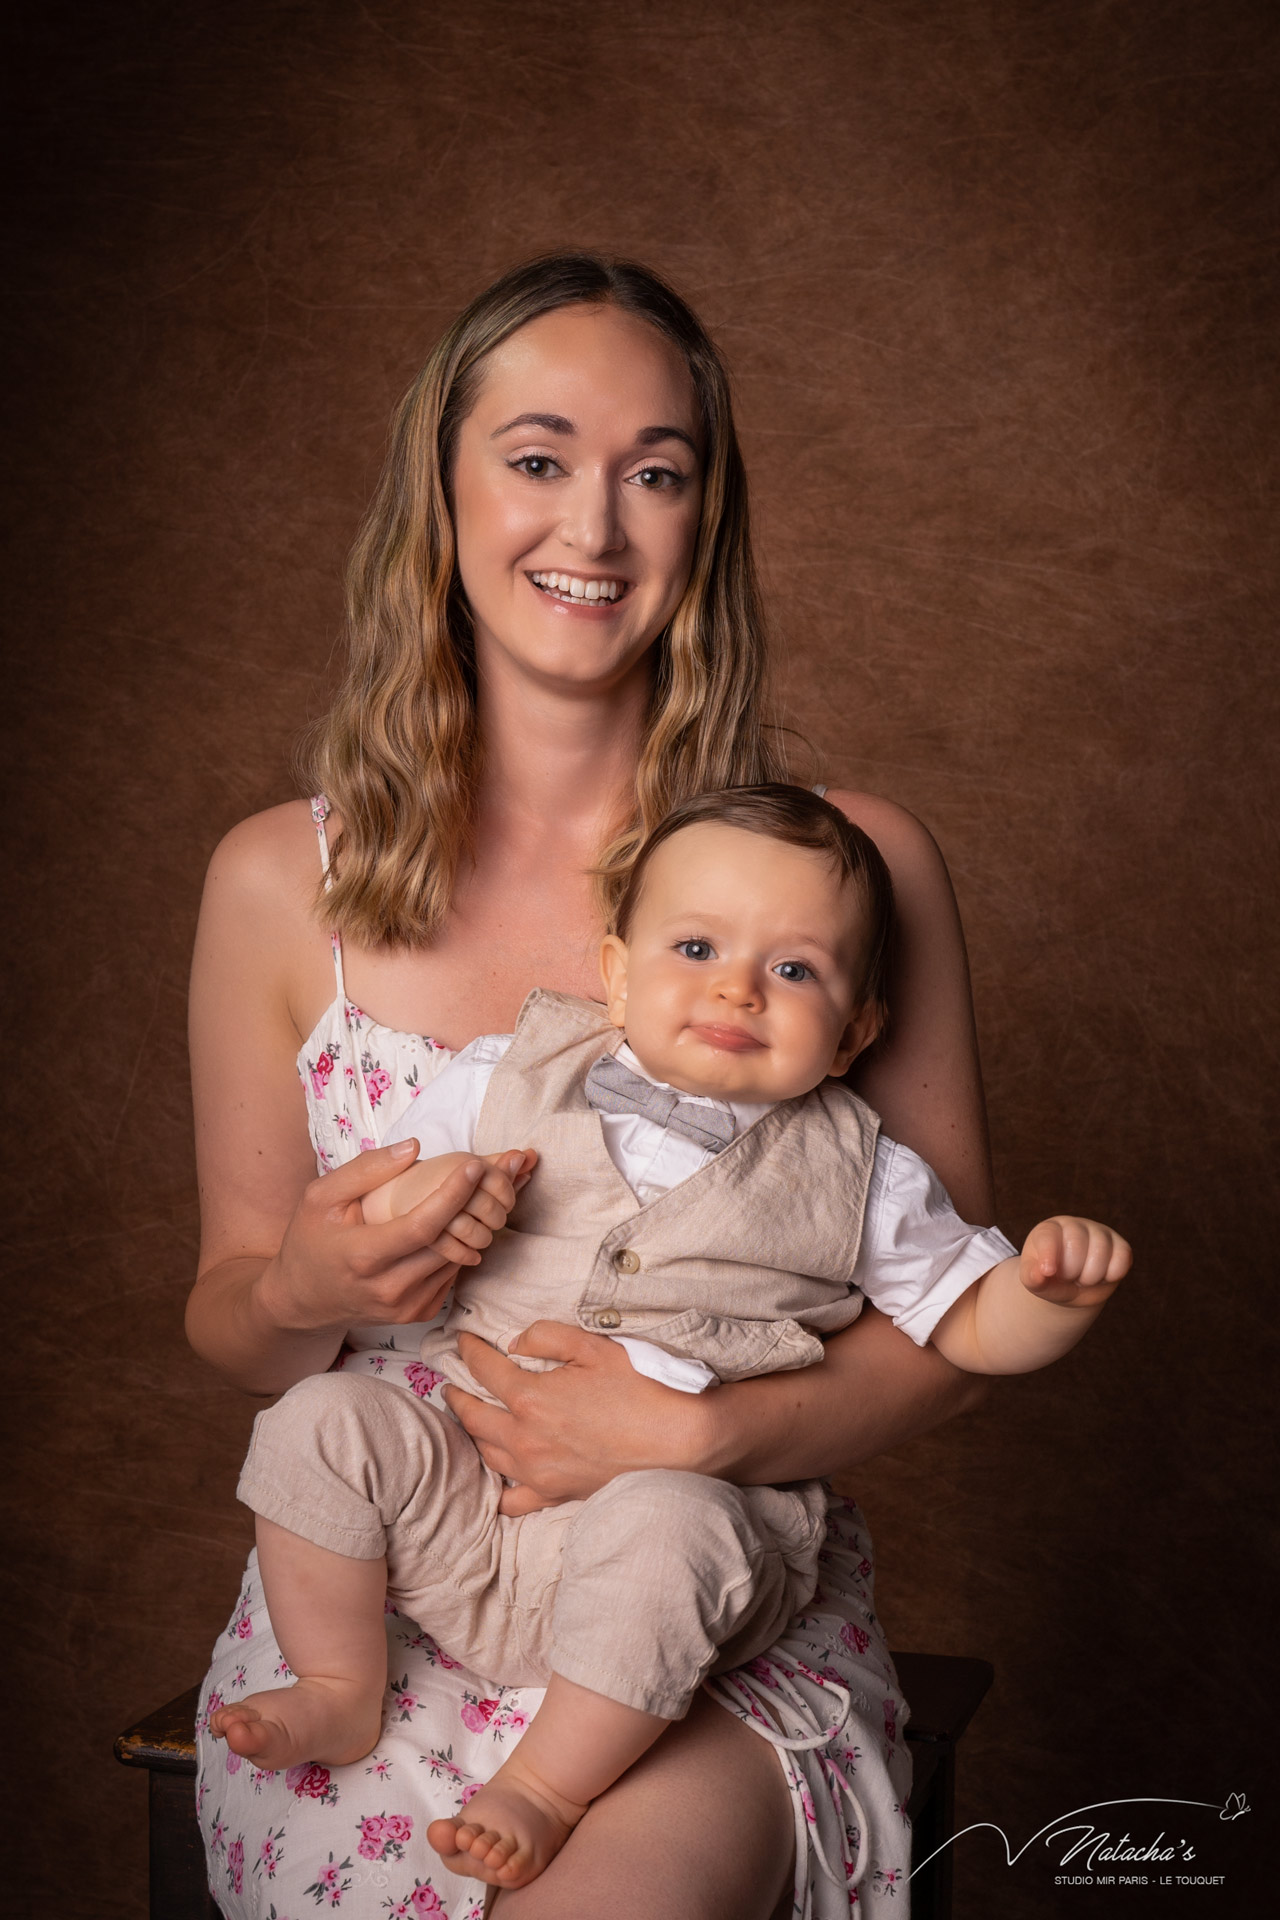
492	1199
1073	1263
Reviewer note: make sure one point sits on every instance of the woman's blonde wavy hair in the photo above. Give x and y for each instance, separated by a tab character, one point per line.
398	754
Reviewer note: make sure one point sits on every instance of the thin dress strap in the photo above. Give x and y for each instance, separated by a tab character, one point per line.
320	813
820	791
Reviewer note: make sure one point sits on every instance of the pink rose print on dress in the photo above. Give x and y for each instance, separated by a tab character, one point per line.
404	1703
384	1836
217	1833
329	1884
762	1671
424	1899
377	1081
439	1761
270	1854
422	1378
469	1793
321	1073
211	1706
891	1720
476	1714
366	1144
234	1762
243	1627
379	1768
235	1864
888	1879
854	1638
312	1782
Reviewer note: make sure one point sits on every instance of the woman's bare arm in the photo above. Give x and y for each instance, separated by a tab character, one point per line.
287	1262
923	1078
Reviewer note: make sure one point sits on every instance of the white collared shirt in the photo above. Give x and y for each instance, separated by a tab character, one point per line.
916	1257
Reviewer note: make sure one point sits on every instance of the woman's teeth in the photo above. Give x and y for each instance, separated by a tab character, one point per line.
569	586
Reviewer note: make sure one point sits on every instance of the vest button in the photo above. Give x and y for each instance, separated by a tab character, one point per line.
609	1318
626	1261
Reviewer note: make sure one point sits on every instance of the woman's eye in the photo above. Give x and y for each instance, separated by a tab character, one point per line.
695	949
793	970
655	479
536	465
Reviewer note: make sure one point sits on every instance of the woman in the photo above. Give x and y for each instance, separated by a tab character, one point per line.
555	635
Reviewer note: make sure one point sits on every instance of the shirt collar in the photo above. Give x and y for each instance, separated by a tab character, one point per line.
745	1112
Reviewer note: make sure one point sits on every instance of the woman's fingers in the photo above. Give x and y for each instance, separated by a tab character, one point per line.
489	1426
552	1340
423	1224
336	1190
497	1375
519	1500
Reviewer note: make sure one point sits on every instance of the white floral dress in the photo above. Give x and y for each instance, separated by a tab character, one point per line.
353	1839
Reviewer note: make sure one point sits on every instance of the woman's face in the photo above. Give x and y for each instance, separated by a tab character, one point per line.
577	488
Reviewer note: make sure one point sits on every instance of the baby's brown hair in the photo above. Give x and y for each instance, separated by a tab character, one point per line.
800	818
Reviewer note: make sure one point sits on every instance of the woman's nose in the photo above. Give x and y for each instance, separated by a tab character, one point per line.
592	525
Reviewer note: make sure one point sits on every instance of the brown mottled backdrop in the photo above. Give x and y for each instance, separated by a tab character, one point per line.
992	277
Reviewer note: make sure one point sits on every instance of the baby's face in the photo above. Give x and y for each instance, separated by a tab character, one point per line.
740	976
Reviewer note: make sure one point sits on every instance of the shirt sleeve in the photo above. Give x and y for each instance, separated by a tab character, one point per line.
917	1255
443	1117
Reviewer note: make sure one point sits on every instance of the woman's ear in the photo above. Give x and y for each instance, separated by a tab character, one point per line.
613	972
862	1030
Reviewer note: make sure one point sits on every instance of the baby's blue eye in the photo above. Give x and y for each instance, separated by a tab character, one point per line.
694	949
793	970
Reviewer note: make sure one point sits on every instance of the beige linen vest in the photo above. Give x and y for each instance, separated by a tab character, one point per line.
742	1265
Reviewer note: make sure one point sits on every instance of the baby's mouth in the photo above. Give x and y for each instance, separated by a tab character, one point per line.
728	1039
576	589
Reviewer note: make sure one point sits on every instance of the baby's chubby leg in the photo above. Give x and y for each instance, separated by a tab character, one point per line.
666	1577
327	1612
578	1744
350	1476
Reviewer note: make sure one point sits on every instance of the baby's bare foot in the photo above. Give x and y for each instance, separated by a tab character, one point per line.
509	1831
311	1720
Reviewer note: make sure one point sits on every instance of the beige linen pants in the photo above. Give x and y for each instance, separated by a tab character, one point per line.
638	1593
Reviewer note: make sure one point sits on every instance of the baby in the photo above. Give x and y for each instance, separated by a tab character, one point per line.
706	1192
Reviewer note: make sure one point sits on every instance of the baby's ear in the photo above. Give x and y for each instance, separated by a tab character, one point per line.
613	972
862	1031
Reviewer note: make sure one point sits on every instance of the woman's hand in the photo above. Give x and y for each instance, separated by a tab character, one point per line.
335	1270
566	1433
268	1320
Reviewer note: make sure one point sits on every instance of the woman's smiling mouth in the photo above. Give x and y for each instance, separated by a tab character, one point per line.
578	589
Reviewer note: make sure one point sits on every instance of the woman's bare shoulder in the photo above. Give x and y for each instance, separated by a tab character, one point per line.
260	942
270	861
913	855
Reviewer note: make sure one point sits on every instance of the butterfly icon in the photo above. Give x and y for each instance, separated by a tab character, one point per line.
1236	1805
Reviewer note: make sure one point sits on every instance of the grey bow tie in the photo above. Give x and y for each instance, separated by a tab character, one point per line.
613	1088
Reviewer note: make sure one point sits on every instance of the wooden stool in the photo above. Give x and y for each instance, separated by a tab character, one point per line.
944	1692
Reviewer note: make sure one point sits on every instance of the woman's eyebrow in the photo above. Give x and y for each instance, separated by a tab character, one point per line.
552	422
556	423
